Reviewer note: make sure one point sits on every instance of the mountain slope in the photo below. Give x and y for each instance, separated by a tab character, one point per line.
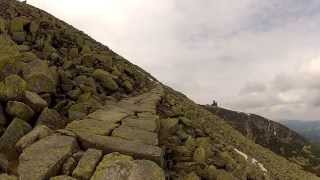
73	109
272	135
308	129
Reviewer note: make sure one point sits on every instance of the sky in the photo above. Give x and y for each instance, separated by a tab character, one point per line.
257	56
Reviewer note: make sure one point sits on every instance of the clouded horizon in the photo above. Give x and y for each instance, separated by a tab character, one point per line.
255	56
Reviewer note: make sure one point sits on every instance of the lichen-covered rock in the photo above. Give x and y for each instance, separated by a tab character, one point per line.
110	116
16	130
91	126
36	102
52	119
69	165
87	164
4	164
122	167
192	176
36	134
40	78
19	37
17	24
12	88
128	86
2	25
199	155
45	158
134	134
105	79
20	110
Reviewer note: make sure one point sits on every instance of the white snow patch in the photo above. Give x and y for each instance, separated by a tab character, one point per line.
254	161
275	133
241	153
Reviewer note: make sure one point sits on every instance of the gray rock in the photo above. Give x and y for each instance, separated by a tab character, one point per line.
69	166
91	126
36	134
122	167
20	110
45	158
4	163
62	178
16	130
52	119
129	133
7	177
36	102
109	116
115	144
148	124
87	164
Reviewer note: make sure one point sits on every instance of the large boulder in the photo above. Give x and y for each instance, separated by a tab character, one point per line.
122	167
16	130
12	88
36	134
36	102
20	110
87	164
106	79
52	119
91	126
45	158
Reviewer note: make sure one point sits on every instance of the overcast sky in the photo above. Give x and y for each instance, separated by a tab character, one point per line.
258	56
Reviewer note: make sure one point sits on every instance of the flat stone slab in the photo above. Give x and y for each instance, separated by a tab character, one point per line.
91	126
44	159
87	164
122	167
133	134
114	144
111	116
148	124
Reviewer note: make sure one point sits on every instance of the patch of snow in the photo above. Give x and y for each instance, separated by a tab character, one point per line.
241	153
254	161
275	133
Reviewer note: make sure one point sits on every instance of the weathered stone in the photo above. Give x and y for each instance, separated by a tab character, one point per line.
122	167
91	126
17	24
69	166
16	130
40	78
134	134
19	37
199	155
20	110
74	52
7	177
148	124
168	126
36	134
114	144
24	48
2	25
105	79
13	87
111	116
34	26
87	164
45	158
52	119
62	177
36	102
128	86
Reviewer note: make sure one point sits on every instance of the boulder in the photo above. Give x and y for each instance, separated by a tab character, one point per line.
192	176
12	88
129	133
20	110
122	167
36	134
36	102
2	25
17	24
115	144
45	158
4	164
52	119
91	126
40	78
16	130
69	166
87	164
19	37
105	79
199	155
148	124
108	116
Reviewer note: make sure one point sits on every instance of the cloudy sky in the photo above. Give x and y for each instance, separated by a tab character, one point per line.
258	56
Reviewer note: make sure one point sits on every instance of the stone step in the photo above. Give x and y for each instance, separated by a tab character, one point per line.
114	144
134	134
109	116
148	124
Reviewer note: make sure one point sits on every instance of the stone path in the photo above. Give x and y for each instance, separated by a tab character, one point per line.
120	137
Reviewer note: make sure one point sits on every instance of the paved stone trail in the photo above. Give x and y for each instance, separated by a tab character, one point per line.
120	137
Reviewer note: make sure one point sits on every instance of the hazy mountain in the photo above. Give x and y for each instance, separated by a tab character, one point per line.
308	129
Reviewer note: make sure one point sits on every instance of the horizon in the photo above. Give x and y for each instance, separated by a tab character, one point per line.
257	57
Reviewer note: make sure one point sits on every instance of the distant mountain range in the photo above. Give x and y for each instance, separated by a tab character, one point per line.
308	129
